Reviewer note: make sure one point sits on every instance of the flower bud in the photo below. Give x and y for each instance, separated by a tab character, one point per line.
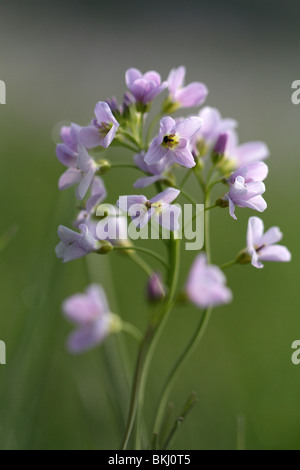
155	290
219	148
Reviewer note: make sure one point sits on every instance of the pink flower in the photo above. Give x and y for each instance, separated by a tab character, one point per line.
173	141
263	247
91	315
102	130
193	94
145	87
246	188
206	284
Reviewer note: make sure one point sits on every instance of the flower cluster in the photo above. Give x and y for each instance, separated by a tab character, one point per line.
204	145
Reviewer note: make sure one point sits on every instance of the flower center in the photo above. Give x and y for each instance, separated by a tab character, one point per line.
103	127
156	205
170	141
259	248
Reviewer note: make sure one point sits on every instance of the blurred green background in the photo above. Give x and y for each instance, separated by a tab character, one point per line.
57	60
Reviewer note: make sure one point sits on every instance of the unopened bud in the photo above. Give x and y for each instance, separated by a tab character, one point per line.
105	248
219	148
243	257
155	290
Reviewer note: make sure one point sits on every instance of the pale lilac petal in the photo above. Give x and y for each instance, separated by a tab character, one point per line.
125	202
97	295
131	75
103	113
176	79
80	308
184	157
255	231
275	253
89	137
251	152
84	161
72	252
60	249
67	235
66	155
87	337
273	235
98	194
84	184
107	140
139	161
69	178
255	260
153	76
166	196
188	127
146	181
231	208
167	125
257	171
156	152
210	118
257	203
193	94
206	284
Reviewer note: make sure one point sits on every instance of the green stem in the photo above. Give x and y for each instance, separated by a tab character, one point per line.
186	195
161	321
142	250
150	340
151	128
206	225
227	265
132	330
179	365
185	178
210	207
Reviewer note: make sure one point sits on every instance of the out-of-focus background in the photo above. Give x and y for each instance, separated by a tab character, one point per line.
57	60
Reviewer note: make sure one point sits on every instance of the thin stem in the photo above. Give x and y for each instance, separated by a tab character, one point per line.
125	165
179	365
150	340
186	195
129	146
185	178
142	250
145	266
227	265
206	226
161	321
210	207
199	178
151	127
132	330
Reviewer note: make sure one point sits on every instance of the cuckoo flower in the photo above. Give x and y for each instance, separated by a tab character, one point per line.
206	284
92	317
262	246
145	87
246	188
67	151
159	170
74	245
173	141
141	209
83	175
193	94
102	129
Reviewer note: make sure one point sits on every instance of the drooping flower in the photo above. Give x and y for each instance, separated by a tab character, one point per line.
141	209
182	96
83	174
173	141
159	170
246	188
263	246
206	284
102	129
92	317
74	245
144	87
